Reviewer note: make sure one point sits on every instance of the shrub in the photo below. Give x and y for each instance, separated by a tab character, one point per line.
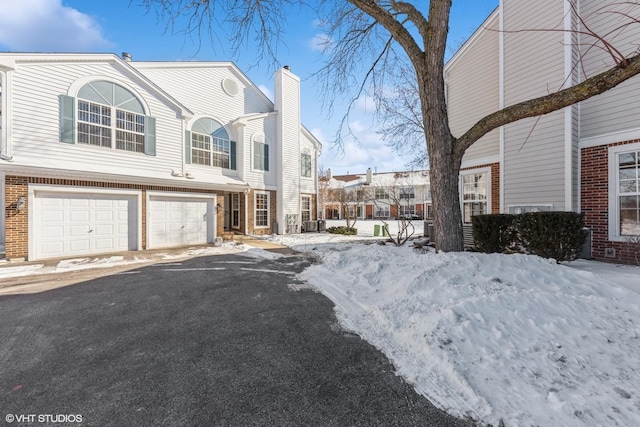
347	231
494	233
555	235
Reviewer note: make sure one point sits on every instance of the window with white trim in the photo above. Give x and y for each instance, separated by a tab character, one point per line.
382	211
380	194
474	195
305	165
306	208
261	210
210	144
429	212
407	211
260	153
628	193
407	193
108	112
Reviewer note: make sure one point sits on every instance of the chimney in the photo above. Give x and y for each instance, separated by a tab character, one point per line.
369	176
329	173
127	56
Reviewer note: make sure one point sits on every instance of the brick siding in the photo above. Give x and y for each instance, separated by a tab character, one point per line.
251	214
594	196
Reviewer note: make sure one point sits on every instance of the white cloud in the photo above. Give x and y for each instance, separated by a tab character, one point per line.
320	42
47	25
366	104
319	134
364	149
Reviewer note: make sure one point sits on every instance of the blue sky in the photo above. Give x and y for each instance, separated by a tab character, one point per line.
118	26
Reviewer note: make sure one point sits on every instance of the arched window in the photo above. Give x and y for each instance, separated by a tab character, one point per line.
108	112
209	144
108	115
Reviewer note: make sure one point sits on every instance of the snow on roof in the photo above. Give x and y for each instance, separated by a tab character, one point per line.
383	179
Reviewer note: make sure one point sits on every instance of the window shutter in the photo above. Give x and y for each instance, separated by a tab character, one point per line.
67	119
187	147
232	155
266	157
150	136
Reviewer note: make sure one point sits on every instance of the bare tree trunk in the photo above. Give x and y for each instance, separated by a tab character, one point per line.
447	217
444	163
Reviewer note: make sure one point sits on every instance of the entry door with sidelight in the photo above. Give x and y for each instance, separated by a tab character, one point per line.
235	210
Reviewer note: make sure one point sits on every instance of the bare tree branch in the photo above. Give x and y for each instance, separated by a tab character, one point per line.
546	104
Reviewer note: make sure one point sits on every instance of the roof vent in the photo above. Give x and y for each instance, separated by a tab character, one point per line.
127	56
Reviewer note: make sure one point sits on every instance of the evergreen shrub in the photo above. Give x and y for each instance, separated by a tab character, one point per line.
557	235
494	233
347	231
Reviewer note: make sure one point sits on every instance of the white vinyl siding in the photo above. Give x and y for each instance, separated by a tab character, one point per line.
288	151
474	74
308	184
617	109
199	85
40	84
265	129
534	150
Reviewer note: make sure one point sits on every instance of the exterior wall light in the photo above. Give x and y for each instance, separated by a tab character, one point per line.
20	204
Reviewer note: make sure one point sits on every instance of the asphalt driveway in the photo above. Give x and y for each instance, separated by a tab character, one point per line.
212	341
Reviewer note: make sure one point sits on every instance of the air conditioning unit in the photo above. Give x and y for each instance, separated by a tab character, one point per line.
310	226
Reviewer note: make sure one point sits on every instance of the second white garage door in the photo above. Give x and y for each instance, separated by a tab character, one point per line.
179	221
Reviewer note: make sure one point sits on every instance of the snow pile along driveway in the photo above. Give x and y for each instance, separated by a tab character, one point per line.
493	337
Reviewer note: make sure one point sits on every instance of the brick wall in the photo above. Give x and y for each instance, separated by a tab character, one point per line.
594	196
251	215
17	230
16	222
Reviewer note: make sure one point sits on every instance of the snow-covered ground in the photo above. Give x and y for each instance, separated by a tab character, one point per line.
510	337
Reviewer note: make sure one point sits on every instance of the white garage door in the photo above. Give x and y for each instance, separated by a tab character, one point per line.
177	222
82	224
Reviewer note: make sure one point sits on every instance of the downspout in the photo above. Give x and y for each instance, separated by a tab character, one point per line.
183	126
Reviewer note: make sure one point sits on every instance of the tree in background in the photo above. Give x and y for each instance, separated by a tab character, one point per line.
377	44
397	202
